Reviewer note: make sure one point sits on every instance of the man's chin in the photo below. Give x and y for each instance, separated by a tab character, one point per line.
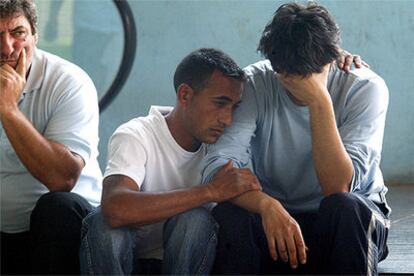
210	140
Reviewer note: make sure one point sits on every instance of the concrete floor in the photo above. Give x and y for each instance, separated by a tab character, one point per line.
401	237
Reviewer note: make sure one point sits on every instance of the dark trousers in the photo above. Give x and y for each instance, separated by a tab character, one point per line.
52	244
346	236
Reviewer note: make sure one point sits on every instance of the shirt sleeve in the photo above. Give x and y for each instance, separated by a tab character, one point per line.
74	119
362	129
234	144
126	156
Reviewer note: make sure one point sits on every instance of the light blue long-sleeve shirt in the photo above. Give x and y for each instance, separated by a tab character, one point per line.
272	133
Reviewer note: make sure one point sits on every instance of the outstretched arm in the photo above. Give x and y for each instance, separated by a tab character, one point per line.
283	234
124	204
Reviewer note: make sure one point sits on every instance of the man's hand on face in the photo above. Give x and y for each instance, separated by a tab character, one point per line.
284	237
12	83
306	90
231	182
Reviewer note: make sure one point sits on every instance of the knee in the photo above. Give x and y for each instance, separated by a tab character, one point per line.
98	233
191	223
58	212
198	218
48	202
57	218
95	225
341	204
61	204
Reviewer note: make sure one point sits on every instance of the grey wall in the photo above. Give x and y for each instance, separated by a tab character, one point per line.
380	31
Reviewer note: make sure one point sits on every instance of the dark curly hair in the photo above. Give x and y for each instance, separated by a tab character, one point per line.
9	8
300	40
196	68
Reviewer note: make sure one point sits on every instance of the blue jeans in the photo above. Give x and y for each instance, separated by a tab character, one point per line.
190	241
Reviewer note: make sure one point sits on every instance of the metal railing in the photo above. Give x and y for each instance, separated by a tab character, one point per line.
128	57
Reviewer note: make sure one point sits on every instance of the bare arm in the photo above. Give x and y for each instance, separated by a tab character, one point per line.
123	204
284	237
51	163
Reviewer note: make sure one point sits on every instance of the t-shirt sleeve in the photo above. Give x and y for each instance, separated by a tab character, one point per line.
75	115
362	129
234	144
126	156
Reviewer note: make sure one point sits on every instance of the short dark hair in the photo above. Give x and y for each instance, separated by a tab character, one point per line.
300	40
9	8
196	68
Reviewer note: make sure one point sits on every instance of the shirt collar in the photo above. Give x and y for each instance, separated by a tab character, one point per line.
35	78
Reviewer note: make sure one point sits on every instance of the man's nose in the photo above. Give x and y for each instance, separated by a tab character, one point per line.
226	117
6	45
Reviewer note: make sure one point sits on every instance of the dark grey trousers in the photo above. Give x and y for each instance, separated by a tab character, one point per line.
52	244
346	236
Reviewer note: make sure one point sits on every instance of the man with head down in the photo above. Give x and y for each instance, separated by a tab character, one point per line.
313	135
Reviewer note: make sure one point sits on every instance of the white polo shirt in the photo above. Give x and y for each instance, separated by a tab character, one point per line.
60	100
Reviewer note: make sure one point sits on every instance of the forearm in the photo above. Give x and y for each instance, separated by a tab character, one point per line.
333	165
125	207
51	163
283	233
254	201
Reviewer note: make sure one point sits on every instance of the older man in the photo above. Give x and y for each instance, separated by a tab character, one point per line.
49	174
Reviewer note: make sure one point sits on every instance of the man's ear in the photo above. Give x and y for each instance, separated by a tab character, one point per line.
185	94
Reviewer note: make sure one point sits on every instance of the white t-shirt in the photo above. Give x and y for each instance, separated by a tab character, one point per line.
60	101
144	150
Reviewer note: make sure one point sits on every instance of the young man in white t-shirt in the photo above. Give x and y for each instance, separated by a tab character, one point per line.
153	206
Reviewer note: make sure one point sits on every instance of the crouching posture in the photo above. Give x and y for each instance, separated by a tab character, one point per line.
313	134
153	206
